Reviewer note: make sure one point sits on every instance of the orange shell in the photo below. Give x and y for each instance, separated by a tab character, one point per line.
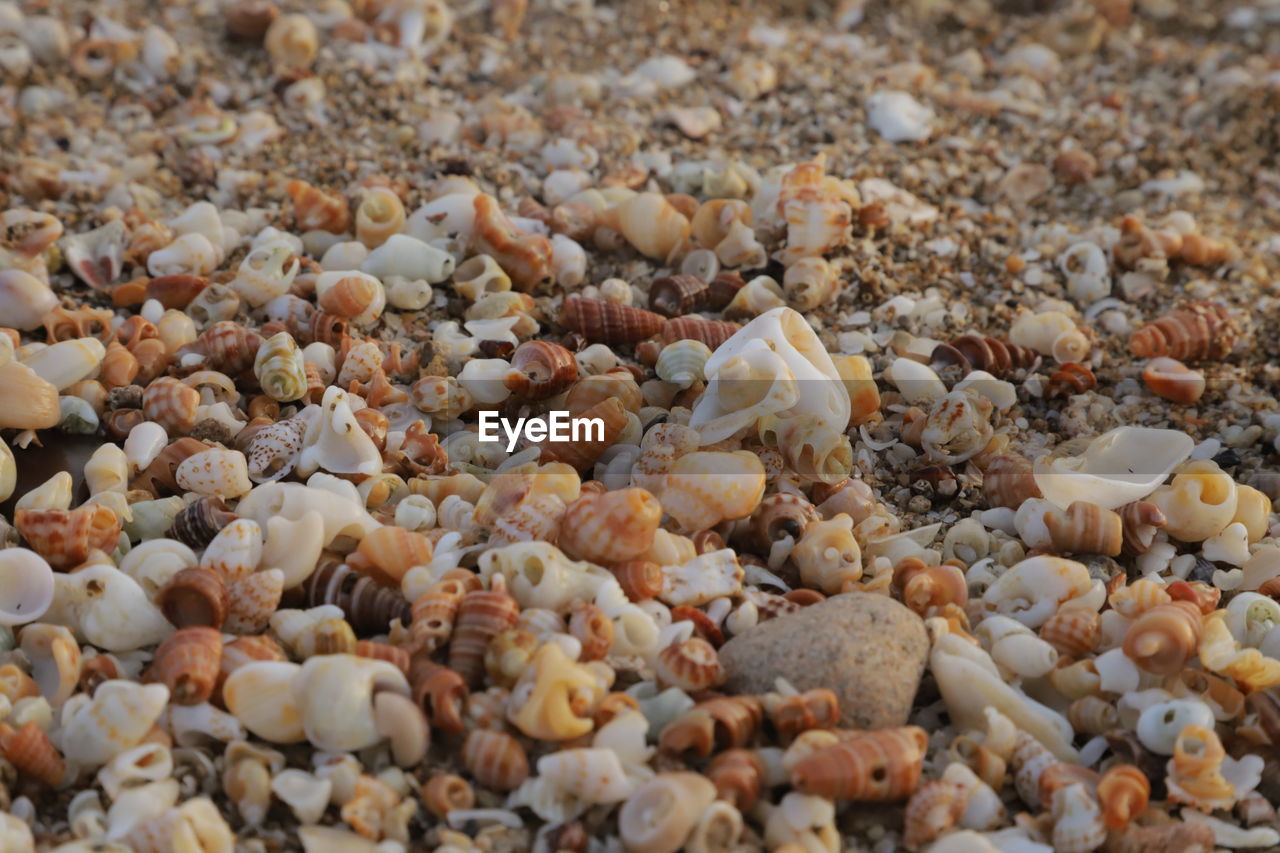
32	753
609	322
694	328
692	666
610	528
1074	632
314	209
540	369
445	792
385	554
1008	481
176	291
1123	792
1197	331
1069	379
495	759
641	580
616	383
525	257
188	663
171	403
394	655
935	587
1173	380
738	775
194	596
65	537
876	766
1085	528
119	366
1164	638
593	629
440	692
727	722
433	615
584	453
814	709
227	347
778	516
1203	596
349	297
1140	520
934	808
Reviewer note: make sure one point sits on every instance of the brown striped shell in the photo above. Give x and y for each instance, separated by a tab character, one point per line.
679	294
609	322
1069	379
877	766
585	452
641	580
198	522
446	792
29	750
433	613
188	663
495	759
610	528
482	614
227	347
722	289
369	608
1162	639
1085	528
350	296
692	666
246	650
933	809
818	708
1173	380
1197	331
440	692
975	352
694	328
1139	522
540	369
193	597
66	537
738	775
172	404
1008	481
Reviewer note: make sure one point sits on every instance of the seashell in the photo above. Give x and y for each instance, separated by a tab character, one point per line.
25	299
280	369
445	792
683	363
738	775
1201	775
1008	482
55	660
713	333
540	369
1164	638
828	555
1199	502
583	453
26	585
97	256
610	528
1198	331
707	487
198	523
661	813
1173	380
335	442
650	223
272	451
554	697
1159	724
215	471
931	589
1073	632
119	366
387	553
1078	826
809	282
227	347
869	766
379	215
1092	715
640	580
440	692
66	538
33	401
495	759
692	665
591	775
1122	792
194	597
1116	468
187	662
369	607
992	355
1140	520
814	709
676	295
525	257
593	629
608	322
779	517
176	291
114	720
1069	380
235	551
31	753
957	428
1221	653
933	809
1085	528
482	614
65	363
1253	510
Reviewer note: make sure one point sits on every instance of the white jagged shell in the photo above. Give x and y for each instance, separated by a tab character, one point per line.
591	775
306	794
335	441
294	546
1118	467
334	694
1032	590
341	510
817	386
97	728
108	608
235	551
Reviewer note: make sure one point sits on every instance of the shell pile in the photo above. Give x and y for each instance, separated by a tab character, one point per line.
964	305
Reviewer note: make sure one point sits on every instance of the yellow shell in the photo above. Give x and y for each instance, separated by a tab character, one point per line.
705	488
610	528
554	698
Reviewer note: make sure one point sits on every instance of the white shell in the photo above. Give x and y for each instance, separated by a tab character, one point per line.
261	696
335	441
917	382
294	546
334	694
66	363
26	586
235	551
705	577
194	725
144	444
154	562
55	660
898	117
216	471
108	608
306	794
144	764
591	775
1118	467
1159	725
779	338
340	508
1031	591
113	720
408	257
24	299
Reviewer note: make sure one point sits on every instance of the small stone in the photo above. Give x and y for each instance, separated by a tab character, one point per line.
868	648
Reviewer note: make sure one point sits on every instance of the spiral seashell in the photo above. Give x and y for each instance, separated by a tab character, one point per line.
610	528
1073	632
933	809
1140	520
540	369
727	722
1198	331
814	709
227	347
1123	792
1201	500
31	752
172	404
1008	482
280	369
710	332
583	453
1092	715
875	766
193	597
369	607
440	692
997	357
385	554
1085	528
616	383
675	295
188	663
350	296
1070	379
379	215
589	625
1173	380
1204	597
778	517
272	451
1138	597
119	366
641	580
692	666
251	601
434	611
1029	760
1164	638
738	775
932	588
198	522
1197	837
554	697
495	759
482	614
1198	767
608	322
662	812
66	538
314	209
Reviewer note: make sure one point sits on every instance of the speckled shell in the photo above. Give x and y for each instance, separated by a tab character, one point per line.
482	614
1164	638
692	666
172	404
495	759
214	471
188	663
1198	331
882	765
608	322
612	527
1123	792
540	369
194	596
525	257
779	516
66	538
1085	528
31	752
675	295
710	332
228	347
386	553
369	607
1073	632
272	451
252	600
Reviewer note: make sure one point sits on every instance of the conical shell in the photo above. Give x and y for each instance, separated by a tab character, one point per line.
55	660
30	402
66	538
1198	331
593	442
710	332
369	607
608	322
188	663
1085	528
1165	637
676	295
440	692
193	597
881	765
540	369
495	759
612	527
30	751
198	522
387	553
482	615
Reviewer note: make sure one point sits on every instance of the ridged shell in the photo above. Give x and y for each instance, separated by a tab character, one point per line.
1198	331
818	708
481	616
540	369
30	751
198	522
726	722
662	812
778	517
589	625
495	759
188	663
446	792
119	366
172	404
386	553
710	332
194	596
66	538
585	452
705	488
738	775
974	352
433	613
692	665
369	607
1085	528
1073	632
251	601
683	363
610	528
675	295
394	655
1164	638
379	215
227	347
1123	792
280	369
31	402
440	692
933	809
608	322
877	766
1092	715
